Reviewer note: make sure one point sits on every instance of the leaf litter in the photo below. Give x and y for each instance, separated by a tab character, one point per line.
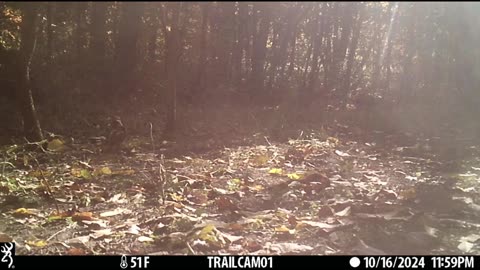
305	196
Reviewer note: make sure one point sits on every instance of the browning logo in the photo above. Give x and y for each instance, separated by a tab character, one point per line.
7	252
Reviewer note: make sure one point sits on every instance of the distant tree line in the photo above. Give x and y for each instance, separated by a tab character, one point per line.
61	54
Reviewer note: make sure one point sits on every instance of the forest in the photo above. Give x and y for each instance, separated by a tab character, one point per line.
193	128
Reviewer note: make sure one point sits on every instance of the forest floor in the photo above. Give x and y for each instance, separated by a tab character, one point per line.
323	192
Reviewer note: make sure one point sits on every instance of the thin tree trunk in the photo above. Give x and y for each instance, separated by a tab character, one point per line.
172	53
98	29
352	52
260	49
126	50
31	124
49	30
199	82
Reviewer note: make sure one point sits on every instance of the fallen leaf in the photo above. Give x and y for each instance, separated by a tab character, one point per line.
231	238
322	225
79	216
465	246
56	145
124	172
112	213
134	229
471	238
289	248
39	173
252	245
85	174
275	171
102	171
224	203
284	229
39	243
256	188
209	235
345	212
145	239
5	238
23	212
293	176
79	240
101	233
117	198
342	154
76	252
97	223
260	160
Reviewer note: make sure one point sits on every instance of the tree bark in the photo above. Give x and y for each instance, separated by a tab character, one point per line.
199	81
49	30
98	29
347	79
31	124
170	28
126	49
260	49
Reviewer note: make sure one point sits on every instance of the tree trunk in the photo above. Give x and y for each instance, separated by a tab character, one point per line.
31	125
49	30
98	29
126	49
78	38
317	46
199	82
347	78
172	53
260	49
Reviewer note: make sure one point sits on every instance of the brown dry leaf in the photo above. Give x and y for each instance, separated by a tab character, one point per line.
224	203
236	227
101	233
325	211
112	213
5	238
408	194
4	189
198	196
124	172
292	220
252	245
76	252
79	216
